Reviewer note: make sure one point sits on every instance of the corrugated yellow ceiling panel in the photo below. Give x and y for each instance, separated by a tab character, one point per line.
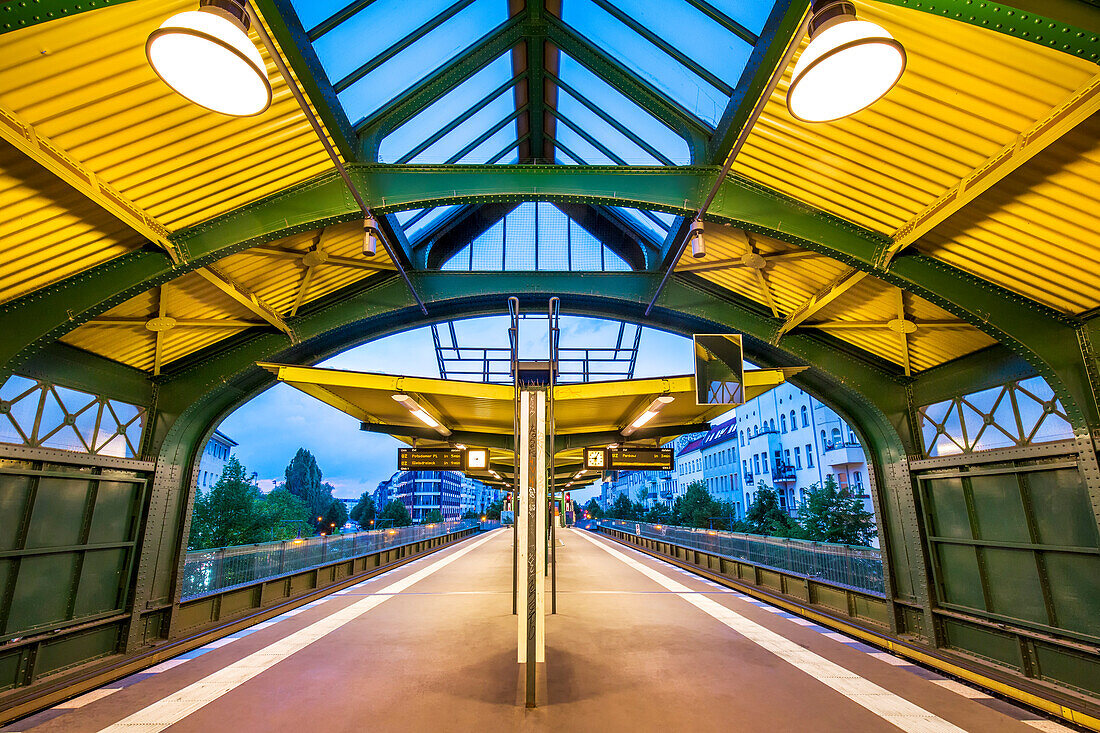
274	275
84	82
1038	230
48	231
182	341
966	93
939	337
131	344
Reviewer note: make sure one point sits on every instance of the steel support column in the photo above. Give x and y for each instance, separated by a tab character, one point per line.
531	528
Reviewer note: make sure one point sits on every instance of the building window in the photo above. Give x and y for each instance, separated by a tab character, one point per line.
787	456
805	417
742	438
797	457
783	423
836	437
756	462
793	423
809	457
764	459
823	440
771	425
857	479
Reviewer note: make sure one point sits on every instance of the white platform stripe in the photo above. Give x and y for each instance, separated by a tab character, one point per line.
179	705
1047	725
880	701
960	689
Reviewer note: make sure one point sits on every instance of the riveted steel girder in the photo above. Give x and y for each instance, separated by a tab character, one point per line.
1043	336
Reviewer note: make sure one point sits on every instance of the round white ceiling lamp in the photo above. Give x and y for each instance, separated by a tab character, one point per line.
206	56
848	65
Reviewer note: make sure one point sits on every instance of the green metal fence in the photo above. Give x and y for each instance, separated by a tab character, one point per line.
206	571
845	565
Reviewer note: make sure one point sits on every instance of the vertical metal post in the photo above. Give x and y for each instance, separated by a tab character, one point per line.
531	500
513	339
553	346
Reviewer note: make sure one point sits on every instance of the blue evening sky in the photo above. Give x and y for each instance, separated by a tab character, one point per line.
276	423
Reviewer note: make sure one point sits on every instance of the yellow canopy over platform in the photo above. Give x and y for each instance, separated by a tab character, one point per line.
475	413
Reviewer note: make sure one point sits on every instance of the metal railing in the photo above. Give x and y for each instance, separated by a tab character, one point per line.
846	565
206	571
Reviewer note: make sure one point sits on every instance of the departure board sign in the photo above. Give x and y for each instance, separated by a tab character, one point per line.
442	459
639	459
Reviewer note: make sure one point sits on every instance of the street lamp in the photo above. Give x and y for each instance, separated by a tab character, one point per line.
206	56
848	65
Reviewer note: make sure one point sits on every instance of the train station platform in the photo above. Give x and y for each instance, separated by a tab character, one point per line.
637	645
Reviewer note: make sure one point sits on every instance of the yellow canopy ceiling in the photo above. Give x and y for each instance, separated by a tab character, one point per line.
593	413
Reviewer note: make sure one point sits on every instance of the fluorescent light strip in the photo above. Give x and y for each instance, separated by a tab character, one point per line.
650	412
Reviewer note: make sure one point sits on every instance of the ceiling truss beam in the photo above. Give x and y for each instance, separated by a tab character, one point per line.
247	298
23	136
842	284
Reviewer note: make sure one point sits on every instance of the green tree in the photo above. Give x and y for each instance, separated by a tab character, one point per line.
433	516
227	514
695	507
832	514
285	514
624	508
593	509
334	517
659	514
395	514
303	479
493	510
363	511
764	515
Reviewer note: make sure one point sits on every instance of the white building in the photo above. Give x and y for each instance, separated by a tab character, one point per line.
214	457
791	441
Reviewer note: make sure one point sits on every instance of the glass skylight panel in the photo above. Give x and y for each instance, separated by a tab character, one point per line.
447	108
535	237
509	156
615	141
751	15
490	147
312	12
469	130
579	148
620	107
371	31
704	41
585	251
459	261
428	221
553	237
488	249
646	223
435	49
667	74
519	239
613	263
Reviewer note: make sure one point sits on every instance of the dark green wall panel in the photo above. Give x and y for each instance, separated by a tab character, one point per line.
1063	513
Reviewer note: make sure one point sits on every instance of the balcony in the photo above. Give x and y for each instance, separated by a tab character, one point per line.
843	453
783	473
